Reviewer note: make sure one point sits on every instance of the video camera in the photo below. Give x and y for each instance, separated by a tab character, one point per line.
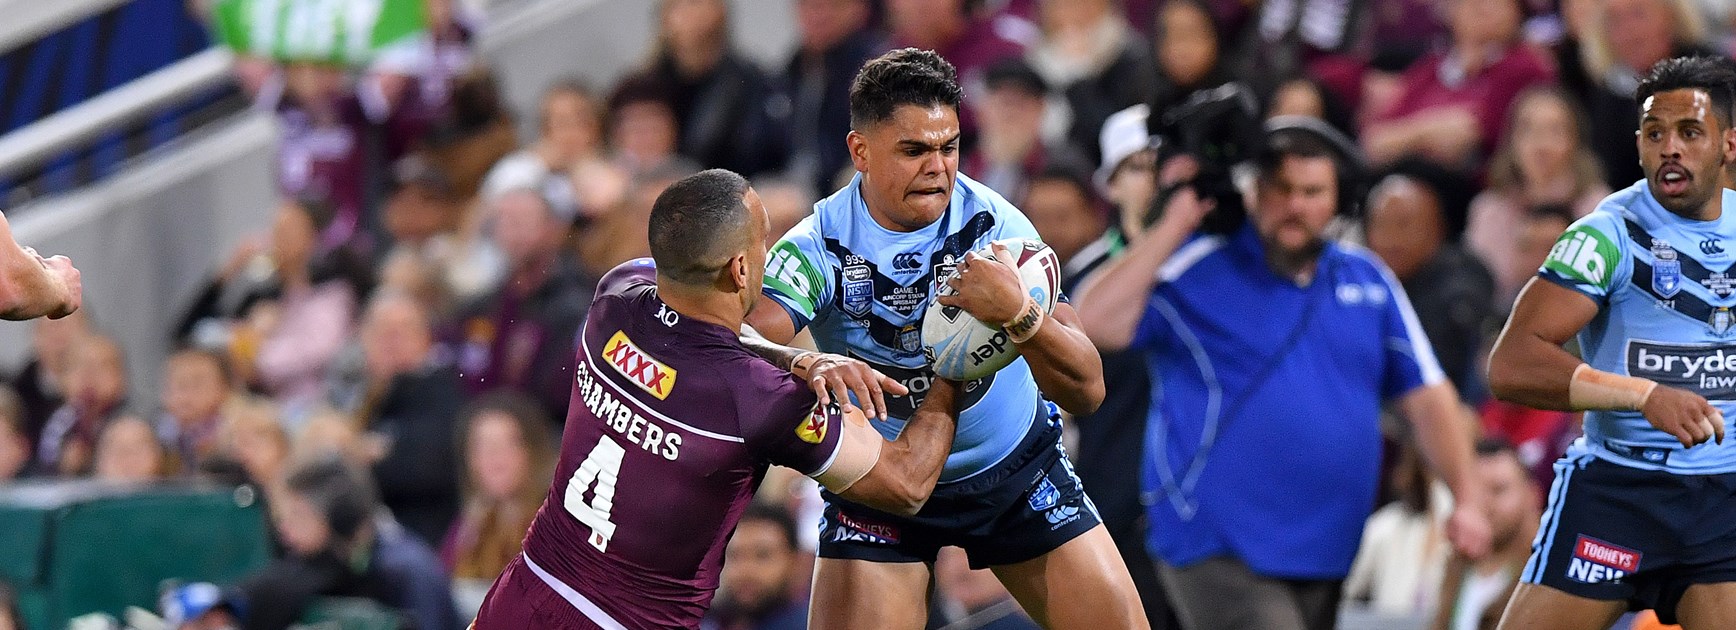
1219	128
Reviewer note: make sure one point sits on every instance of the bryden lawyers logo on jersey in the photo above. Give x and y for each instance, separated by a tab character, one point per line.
1595	561
1705	369
649	374
813	429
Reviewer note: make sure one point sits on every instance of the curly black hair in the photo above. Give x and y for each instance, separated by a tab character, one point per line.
907	76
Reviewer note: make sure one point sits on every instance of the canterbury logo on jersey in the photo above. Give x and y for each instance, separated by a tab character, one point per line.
648	373
1707	370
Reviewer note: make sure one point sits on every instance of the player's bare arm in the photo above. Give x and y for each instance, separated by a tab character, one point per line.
32	286
1063	361
1529	367
896	476
1444	435
833	377
1108	299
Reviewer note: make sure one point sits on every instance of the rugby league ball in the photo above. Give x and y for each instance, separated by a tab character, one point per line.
960	347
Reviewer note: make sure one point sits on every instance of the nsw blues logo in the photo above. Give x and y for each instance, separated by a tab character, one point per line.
1044	495
858	289
1666	269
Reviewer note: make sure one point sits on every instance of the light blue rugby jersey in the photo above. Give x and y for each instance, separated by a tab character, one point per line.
862	289
1665	294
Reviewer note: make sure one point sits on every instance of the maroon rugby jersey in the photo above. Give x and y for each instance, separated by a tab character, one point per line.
671	427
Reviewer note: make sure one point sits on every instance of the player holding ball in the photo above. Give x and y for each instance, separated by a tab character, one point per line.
860	274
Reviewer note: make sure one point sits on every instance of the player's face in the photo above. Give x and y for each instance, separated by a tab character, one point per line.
754	259
1295	203
908	164
1683	149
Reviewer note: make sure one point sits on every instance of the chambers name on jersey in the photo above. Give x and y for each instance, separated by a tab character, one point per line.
1665	295
862	289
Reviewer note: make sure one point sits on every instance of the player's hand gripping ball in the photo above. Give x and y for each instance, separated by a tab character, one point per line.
962	334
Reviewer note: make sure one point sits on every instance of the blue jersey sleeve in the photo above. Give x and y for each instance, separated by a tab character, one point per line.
796	274
1410	360
1588	257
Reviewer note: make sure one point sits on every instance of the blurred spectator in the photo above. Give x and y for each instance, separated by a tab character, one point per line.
299	332
508	445
473	133
1405	30
430	64
39	384
719	98
1189	48
972	599
1094	62
128	452
408	411
754	591
1111	440
1061	205
9	617
1415	217
330	432
339	545
1307	96
970	43
621	236
1011	148
643	128
834	41
522	335
14	442
406	272
1475	592
252	437
570	124
1543	160
787	203
1452	104
1404	545
423	216
196	386
96	389
1621	40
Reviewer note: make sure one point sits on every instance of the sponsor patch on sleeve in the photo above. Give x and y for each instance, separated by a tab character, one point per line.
1584	255
793	276
813	429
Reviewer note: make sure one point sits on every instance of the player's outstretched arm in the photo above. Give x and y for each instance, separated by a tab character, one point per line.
32	286
896	476
1111	301
833	377
1529	367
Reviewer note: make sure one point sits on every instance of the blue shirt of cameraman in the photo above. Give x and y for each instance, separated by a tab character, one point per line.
1263	442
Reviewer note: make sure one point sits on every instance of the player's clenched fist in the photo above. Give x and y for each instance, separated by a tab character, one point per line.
1685	415
987	288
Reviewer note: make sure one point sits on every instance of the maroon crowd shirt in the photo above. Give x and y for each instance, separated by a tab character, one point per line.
670	431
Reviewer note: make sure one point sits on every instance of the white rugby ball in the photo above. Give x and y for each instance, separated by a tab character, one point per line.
959	346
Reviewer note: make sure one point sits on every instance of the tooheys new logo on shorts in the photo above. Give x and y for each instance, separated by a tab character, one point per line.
1707	370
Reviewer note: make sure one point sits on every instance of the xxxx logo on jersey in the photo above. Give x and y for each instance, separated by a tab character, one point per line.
648	373
813	429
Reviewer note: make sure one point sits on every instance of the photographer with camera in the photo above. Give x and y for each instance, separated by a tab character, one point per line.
1272	350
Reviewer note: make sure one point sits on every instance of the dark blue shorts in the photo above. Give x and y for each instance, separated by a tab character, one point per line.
1026	506
1615	532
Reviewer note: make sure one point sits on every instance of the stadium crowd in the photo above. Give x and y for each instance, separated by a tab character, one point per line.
390	358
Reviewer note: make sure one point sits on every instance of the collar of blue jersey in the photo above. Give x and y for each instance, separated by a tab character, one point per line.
1246	241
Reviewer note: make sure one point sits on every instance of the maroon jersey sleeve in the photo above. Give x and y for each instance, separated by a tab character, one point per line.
784	423
627	275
